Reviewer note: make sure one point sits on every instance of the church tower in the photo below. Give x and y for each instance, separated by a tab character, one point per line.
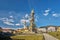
32	25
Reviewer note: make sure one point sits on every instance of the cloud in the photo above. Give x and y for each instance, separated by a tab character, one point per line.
56	15
37	17
26	16
27	21
11	16
18	24
3	19
10	20
46	12
24	20
7	21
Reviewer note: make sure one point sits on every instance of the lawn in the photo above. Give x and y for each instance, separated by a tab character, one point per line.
28	37
55	34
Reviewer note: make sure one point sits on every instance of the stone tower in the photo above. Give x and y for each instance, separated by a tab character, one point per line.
25	24
32	25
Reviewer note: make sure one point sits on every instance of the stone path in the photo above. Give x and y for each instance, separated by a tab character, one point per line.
49	37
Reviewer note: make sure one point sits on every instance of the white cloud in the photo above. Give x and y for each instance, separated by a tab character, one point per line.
56	15
3	19
27	21
18	24
26	16
10	20
46	12
6	19
23	20
8	23
11	16
37	17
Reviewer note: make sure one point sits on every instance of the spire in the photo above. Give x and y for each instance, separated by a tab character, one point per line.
32	11
32	27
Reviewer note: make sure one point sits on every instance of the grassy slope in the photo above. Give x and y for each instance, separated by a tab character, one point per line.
55	34
28	37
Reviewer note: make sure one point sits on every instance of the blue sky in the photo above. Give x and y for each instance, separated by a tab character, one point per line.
12	12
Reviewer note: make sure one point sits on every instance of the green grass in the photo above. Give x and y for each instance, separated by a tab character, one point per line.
55	34
28	37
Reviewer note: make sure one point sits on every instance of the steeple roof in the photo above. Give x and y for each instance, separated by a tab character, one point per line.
32	11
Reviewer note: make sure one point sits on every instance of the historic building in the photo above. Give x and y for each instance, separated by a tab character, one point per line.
32	26
42	29
58	28
51	29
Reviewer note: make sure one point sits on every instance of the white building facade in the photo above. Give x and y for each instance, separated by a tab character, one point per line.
42	30
51	29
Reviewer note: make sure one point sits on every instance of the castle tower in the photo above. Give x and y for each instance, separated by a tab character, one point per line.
32	25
